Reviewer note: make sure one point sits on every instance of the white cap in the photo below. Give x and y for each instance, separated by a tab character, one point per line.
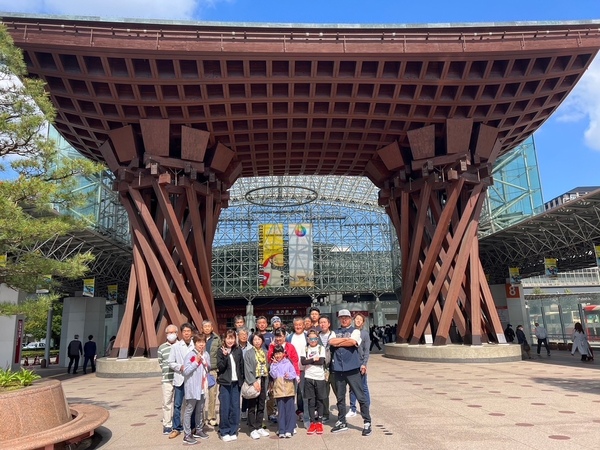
344	312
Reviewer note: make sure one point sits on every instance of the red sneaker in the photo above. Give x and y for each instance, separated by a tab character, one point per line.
312	429
319	428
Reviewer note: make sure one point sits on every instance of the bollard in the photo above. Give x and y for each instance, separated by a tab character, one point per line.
43	363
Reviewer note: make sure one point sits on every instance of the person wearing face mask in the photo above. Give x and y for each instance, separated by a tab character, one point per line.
167	378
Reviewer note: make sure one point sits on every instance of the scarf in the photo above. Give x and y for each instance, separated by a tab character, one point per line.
261	363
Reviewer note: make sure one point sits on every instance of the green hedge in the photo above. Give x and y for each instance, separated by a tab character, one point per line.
40	352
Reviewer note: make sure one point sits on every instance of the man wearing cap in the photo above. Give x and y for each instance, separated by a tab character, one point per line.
275	323
345	363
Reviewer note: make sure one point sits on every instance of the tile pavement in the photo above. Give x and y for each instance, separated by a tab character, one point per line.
544	403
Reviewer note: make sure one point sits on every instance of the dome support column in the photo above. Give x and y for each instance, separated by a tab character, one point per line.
433	193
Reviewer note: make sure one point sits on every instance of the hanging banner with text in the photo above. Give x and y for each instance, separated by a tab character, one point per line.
270	249
88	287
550	267
113	292
597	253
514	275
301	255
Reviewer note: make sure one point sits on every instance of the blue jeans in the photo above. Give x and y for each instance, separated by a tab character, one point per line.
178	396
229	411
365	390
286	417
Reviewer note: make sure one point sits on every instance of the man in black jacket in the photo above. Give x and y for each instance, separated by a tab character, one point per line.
74	351
89	354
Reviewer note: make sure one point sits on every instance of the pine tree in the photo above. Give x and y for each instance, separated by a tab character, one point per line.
34	179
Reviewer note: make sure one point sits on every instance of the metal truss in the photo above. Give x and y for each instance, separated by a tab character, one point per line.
111	265
352	245
568	233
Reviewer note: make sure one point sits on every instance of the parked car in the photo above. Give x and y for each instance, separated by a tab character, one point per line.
34	346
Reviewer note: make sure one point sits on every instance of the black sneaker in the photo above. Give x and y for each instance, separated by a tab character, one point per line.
189	440
199	433
367	429
339	426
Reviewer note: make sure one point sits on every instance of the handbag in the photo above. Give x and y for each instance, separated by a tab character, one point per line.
249	391
526	347
211	380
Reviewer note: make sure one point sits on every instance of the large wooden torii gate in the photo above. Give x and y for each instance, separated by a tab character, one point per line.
434	197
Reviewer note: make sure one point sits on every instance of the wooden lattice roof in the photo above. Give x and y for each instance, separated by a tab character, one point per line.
303	99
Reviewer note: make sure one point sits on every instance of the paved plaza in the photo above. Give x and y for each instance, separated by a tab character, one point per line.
544	403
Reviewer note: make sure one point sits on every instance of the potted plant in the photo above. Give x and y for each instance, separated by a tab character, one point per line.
11	380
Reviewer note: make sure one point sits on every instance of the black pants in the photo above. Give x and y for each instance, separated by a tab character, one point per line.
92	362
314	395
351	379
256	406
375	342
73	359
545	342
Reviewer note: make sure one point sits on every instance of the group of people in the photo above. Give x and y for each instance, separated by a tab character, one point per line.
382	335
264	376
580	341
75	350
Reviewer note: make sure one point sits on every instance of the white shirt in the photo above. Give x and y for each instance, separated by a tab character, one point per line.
299	343
314	371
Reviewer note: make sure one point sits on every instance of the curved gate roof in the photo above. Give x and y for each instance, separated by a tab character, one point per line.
302	99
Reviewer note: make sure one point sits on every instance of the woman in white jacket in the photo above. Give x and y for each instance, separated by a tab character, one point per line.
580	343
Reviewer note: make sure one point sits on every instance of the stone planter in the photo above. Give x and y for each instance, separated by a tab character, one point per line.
40	417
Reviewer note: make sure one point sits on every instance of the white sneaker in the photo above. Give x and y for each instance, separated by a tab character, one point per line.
351	414
255	434
263	432
244	415
226	438
233	437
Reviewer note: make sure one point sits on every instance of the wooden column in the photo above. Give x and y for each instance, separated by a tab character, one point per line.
434	194
173	187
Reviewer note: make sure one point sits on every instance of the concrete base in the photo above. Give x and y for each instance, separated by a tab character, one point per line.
138	367
486	353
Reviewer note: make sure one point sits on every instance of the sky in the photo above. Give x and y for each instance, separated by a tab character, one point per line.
568	144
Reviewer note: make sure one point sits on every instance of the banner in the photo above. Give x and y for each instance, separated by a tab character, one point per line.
3	259
597	252
113	292
44	286
302	272
88	287
514	275
270	250
550	267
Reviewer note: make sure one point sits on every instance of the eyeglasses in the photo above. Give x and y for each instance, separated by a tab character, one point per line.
313	339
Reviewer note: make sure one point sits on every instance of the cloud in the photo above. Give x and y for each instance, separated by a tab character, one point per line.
138	9
584	104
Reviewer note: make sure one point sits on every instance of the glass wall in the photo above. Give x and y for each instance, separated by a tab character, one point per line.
559	313
517	191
